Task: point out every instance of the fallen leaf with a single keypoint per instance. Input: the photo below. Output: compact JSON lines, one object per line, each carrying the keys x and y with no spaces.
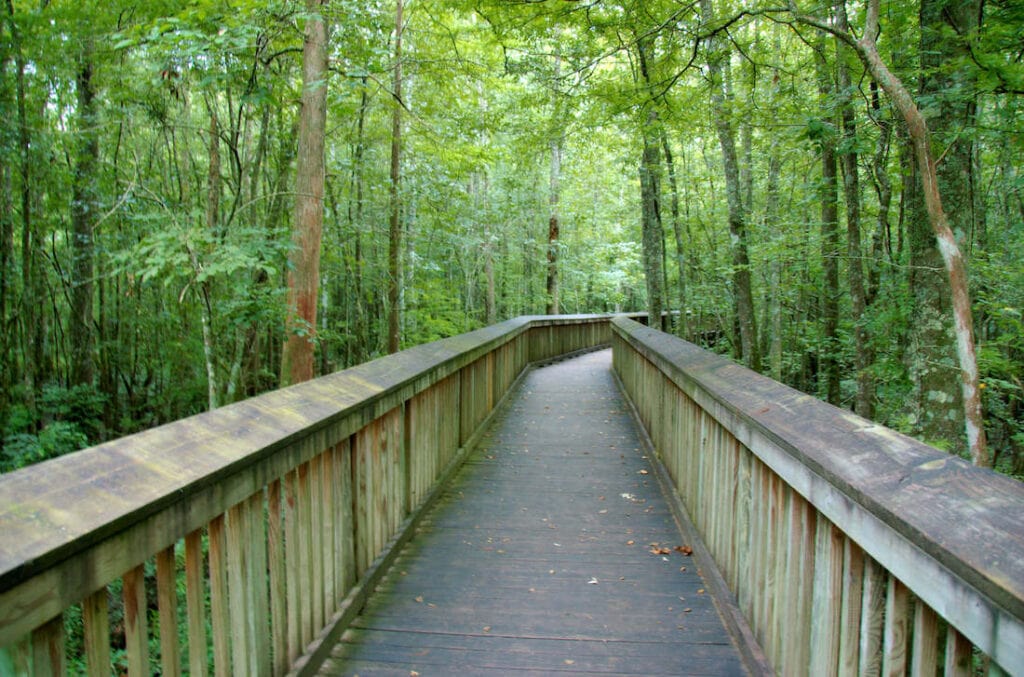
{"x":487,"y":628}
{"x":659,"y":551}
{"x":701,"y":591}
{"x":602,"y":512}
{"x":644,"y":472}
{"x":413,"y":673}
{"x":419,"y":599}
{"x":684,"y":549}
{"x":592,"y":581}
{"x":569,"y":662}
{"x":630,"y":542}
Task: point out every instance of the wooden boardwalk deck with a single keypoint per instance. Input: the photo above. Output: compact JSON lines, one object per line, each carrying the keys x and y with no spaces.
{"x":553,"y":551}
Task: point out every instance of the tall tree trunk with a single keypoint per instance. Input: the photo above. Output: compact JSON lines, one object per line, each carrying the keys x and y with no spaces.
{"x":851,"y":190}
{"x":395,"y":223}
{"x":828,"y":358}
{"x":682,"y":328}
{"x":355,"y":217}
{"x":83,"y":217}
{"x":297,"y":356}
{"x":554,"y":226}
{"x":741,"y":275}
{"x":881,"y":241}
{"x":213,"y":188}
{"x":651,"y":228}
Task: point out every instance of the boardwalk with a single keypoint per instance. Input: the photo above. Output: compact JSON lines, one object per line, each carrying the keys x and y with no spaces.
{"x":553,"y":551}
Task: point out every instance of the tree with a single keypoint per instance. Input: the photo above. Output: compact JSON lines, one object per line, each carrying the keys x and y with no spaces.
{"x":297,"y":361}
{"x":866,"y":48}
{"x":395,"y":215}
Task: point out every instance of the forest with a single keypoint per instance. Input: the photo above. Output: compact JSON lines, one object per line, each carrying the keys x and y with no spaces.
{"x":202,"y":200}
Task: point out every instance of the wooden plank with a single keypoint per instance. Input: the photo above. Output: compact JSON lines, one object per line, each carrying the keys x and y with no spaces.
{"x":48,"y":648}
{"x":278,"y":583}
{"x":894,"y":637}
{"x":316,"y":532}
{"x":220,"y":612}
{"x":135,"y":635}
{"x":304,"y":555}
{"x":328,"y":499}
{"x":958,"y":655}
{"x":827,"y":596}
{"x":96,"y":633}
{"x":167,"y":605}
{"x":345,"y":535}
{"x":872,"y":619}
{"x":195,"y":596}
{"x":257,"y":580}
{"x":925,"y":652}
{"x":292,"y":569}
{"x":241,"y":622}
{"x":850,"y":620}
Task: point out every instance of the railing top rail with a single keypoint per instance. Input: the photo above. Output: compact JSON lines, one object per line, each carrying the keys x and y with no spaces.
{"x":54,"y":509}
{"x":967,"y":519}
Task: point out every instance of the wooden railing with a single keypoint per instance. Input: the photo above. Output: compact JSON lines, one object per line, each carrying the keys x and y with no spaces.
{"x":850,"y":548}
{"x":254,"y":531}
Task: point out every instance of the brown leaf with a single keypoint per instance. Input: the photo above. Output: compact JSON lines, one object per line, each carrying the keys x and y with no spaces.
{"x":660,"y":551}
{"x":684,"y":550}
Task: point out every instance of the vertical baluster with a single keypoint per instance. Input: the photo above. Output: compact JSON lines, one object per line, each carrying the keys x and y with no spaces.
{"x":304,"y":556}
{"x":894,"y":642}
{"x":853,"y":595}
{"x":316,"y":579}
{"x":167,"y":603}
{"x":242,"y":644}
{"x":135,"y":636}
{"x":96,"y":633}
{"x":343,"y":528}
{"x":958,"y":654}
{"x":48,"y":648}
{"x":925,"y":654}
{"x":194,"y":603}
{"x":219,"y":609}
{"x":291,"y":536}
{"x":257,"y":584}
{"x":827,"y":595}
{"x":872,"y":619}
{"x":327,"y":544}
{"x":278,"y":584}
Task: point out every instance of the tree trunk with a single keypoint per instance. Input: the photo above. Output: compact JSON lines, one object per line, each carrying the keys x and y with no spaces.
{"x":682,"y":328}
{"x":213,"y":187}
{"x":554,"y":227}
{"x":743,"y":297}
{"x":652,"y":238}
{"x":828,"y":358}
{"x":863,"y":403}
{"x":952,"y":258}
{"x":83,"y":217}
{"x":297,"y":356}
{"x":395,"y":223}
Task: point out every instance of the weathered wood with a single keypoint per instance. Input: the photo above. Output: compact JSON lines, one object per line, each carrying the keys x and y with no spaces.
{"x":48,"y":648}
{"x":136,"y":637}
{"x":220,"y":619}
{"x":853,"y":596}
{"x":958,"y":655}
{"x":167,"y":604}
{"x":544,"y":537}
{"x":827,"y":594}
{"x":243,"y":644}
{"x":894,"y":635}
{"x":872,"y":619}
{"x":925,"y":652}
{"x":96,"y":633}
{"x":291,"y":535}
{"x":195,"y":595}
{"x":893,"y":496}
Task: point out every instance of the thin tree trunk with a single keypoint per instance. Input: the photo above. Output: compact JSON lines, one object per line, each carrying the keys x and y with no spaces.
{"x":83,"y":207}
{"x":395,"y":222}
{"x":741,"y":275}
{"x":682,"y":328}
{"x":828,"y":358}
{"x":653,"y":240}
{"x":863,"y":403}
{"x":213,"y":188}
{"x":554,"y":227}
{"x":297,"y":356}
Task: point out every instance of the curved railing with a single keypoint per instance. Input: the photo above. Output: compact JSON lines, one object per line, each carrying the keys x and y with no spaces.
{"x":274,"y":515}
{"x":850,"y":548}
